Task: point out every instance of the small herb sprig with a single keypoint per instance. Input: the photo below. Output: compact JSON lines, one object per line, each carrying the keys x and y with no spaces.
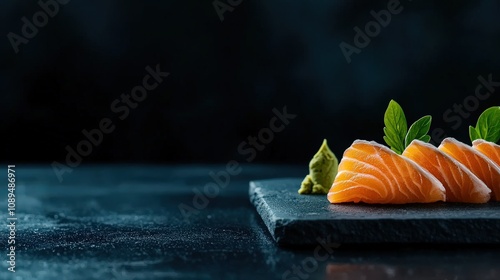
{"x":397,"y":134}
{"x":488,"y":126}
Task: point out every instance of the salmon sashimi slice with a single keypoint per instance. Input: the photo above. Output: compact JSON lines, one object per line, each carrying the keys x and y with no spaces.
{"x":460,"y":183}
{"x":489,"y":149}
{"x":372,"y":173}
{"x":485,"y":169}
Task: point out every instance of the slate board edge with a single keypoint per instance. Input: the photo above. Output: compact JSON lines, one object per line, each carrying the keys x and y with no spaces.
{"x":255,"y":199}
{"x":288,"y":232}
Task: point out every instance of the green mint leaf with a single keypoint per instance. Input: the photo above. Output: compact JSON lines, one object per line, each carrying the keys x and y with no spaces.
{"x":395,"y":127}
{"x":488,"y":125}
{"x":418,"y":130}
{"x":393,"y":141}
{"x":391,"y":136}
{"x":425,"y":138}
{"x":395,"y":147}
{"x":473,"y":134}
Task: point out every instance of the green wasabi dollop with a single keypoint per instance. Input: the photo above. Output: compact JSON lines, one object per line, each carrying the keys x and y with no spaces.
{"x":322,"y":171}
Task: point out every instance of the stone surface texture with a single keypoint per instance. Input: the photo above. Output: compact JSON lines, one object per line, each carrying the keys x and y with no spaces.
{"x":299,"y":220}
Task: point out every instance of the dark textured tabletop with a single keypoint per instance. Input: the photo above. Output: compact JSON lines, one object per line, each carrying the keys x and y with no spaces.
{"x":125,"y":222}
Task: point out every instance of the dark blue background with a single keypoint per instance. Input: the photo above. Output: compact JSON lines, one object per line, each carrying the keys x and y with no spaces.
{"x":227,"y":76}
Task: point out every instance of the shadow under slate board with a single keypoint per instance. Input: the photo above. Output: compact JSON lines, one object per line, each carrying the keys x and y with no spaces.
{"x":299,"y":220}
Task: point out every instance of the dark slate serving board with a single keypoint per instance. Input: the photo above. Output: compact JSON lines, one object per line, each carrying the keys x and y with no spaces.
{"x":299,"y":220}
